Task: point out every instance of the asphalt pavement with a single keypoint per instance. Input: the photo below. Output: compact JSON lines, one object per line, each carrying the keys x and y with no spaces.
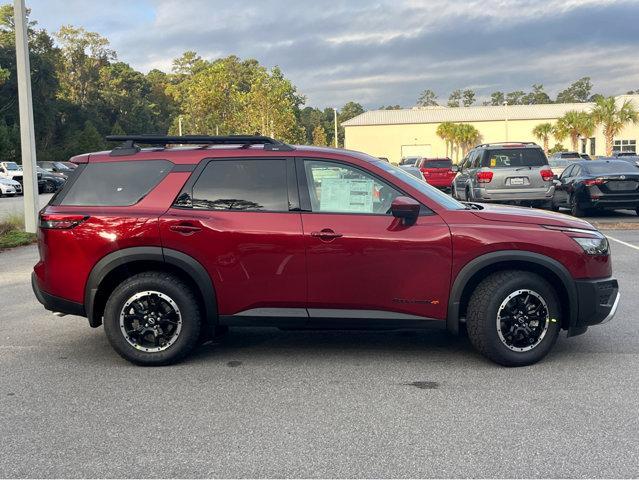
{"x":269,"y":403}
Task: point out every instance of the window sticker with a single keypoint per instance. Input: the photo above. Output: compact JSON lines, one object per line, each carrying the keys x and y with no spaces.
{"x":346,"y":195}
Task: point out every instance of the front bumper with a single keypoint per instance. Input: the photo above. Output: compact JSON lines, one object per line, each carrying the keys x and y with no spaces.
{"x":597,"y":301}
{"x":53,"y":303}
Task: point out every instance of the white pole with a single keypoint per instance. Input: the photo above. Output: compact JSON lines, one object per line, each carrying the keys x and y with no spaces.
{"x":180,"y":125}
{"x":27,"y":132}
{"x":335,"y":117}
{"x":506,"y":120}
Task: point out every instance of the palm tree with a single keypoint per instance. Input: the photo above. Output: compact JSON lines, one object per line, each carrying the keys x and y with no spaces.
{"x":445,"y":131}
{"x":466,"y":137}
{"x":575,"y":124}
{"x":613,"y":118}
{"x":542,"y":132}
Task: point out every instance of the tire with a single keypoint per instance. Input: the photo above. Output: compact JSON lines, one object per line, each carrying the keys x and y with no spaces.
{"x":484,"y":307}
{"x":48,"y":187}
{"x":553,"y":206}
{"x":575,"y":209}
{"x":468,"y":195}
{"x":181,"y":324}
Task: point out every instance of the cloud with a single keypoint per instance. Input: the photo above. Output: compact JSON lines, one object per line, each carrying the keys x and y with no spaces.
{"x":380,"y":52}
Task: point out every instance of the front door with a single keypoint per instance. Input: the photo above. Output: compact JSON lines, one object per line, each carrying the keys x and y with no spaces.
{"x":238,"y":219}
{"x":362,"y":262}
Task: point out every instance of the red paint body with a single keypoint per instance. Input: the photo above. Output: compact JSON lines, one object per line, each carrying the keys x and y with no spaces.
{"x":261,"y":259}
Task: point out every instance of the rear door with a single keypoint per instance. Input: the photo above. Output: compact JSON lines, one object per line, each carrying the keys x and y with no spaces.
{"x":240,"y":219}
{"x":362,"y":262}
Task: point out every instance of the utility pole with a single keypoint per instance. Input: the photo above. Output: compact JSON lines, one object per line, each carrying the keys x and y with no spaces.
{"x":27,"y":132}
{"x":335,"y":118}
{"x":506,"y":120}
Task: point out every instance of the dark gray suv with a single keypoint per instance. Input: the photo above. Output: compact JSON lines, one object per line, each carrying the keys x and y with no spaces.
{"x":505,"y":172}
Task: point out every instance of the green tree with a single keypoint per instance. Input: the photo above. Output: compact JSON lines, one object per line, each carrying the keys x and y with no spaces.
{"x":613,"y":118}
{"x":536,"y":96}
{"x":496,"y":98}
{"x":348,"y":111}
{"x":516,"y":97}
{"x":455,"y":98}
{"x":468,"y":97}
{"x":575,"y":124}
{"x":466,"y":136}
{"x":446,"y":132}
{"x":558,"y":147}
{"x":427,"y":98}
{"x":88,"y":140}
{"x":319,"y":137}
{"x":390,"y":107}
{"x":542,"y":132}
{"x":577,"y":92}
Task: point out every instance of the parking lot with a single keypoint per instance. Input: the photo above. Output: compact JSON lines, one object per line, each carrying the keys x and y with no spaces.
{"x":315,"y":404}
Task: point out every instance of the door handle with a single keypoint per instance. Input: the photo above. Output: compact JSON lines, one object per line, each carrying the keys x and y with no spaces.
{"x":185,"y":228}
{"x":326,"y":234}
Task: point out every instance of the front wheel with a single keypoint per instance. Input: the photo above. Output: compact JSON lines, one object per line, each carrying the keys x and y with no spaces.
{"x":513,"y":318}
{"x":575,"y":208}
{"x":152,"y":318}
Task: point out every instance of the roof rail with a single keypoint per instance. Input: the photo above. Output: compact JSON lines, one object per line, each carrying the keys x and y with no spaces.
{"x":130,"y":143}
{"x":506,"y":143}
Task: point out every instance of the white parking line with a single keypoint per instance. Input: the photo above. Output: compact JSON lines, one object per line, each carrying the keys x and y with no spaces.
{"x":622,"y":242}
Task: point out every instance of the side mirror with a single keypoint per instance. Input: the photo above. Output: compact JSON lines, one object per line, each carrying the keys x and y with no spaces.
{"x":455,"y":168}
{"x":405,"y":208}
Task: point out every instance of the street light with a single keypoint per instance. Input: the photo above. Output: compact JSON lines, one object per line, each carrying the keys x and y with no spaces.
{"x":27,"y":132}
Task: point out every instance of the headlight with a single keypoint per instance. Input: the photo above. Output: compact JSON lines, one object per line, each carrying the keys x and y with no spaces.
{"x":593,"y":246}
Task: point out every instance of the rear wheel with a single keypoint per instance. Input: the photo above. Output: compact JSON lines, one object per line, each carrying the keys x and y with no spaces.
{"x":513,"y":318}
{"x":152,"y":318}
{"x":575,"y":208}
{"x":49,"y":187}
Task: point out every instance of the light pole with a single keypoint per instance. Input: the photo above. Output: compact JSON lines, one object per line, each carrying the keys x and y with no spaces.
{"x":506,"y":119}
{"x":335,"y":121}
{"x":27,"y":132}
{"x":180,"y":125}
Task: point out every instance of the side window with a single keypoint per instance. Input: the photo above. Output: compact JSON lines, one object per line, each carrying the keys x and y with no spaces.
{"x":245,"y":185}
{"x":476,"y":159}
{"x":567,"y":172}
{"x":338,"y":188}
{"x":576,"y":171}
{"x":464,"y":163}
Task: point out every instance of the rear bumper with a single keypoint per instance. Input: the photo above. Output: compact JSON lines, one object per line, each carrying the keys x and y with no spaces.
{"x":597,"y":301}
{"x":56,"y":304}
{"x":514,"y":195}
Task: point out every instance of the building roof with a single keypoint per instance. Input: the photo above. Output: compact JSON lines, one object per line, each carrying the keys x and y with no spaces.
{"x":472,"y":114}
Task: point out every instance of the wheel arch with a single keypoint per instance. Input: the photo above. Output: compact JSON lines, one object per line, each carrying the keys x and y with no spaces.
{"x":117,"y":266}
{"x":479,"y":268}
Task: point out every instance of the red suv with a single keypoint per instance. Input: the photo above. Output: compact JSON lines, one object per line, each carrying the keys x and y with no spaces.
{"x":437,"y":171}
{"x":165,"y":245}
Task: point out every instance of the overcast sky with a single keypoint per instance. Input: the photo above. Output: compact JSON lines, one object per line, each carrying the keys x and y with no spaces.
{"x":378,"y":52}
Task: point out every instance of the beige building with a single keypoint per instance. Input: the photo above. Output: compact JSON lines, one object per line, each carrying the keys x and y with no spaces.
{"x":411,"y":132}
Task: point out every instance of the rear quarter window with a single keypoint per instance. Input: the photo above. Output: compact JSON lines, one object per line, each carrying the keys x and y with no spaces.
{"x":514,"y":157}
{"x":115,"y":184}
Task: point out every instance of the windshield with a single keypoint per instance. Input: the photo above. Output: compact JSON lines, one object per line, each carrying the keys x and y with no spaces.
{"x":514,"y":157}
{"x":410,"y":160}
{"x":12,"y":166}
{"x":440,"y":163}
{"x":601,"y":168}
{"x":559,"y":163}
{"x":61,"y":166}
{"x":440,"y":197}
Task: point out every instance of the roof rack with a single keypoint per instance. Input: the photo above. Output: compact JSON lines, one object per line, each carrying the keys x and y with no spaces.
{"x":130,"y":143}
{"x":506,"y":143}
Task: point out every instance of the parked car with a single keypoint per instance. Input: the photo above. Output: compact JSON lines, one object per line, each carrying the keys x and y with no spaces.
{"x":505,"y":172}
{"x":632,"y":159}
{"x":437,"y":171}
{"x":409,"y":160}
{"x":56,"y":168}
{"x":49,"y":182}
{"x":414,"y":171}
{"x":585,"y":156}
{"x":558,"y":165}
{"x":260,"y":233}
{"x":385,"y":159}
{"x":70,"y":165}
{"x":10,"y":187}
{"x":618,"y":154}
{"x":565,"y":156}
{"x":11,"y":170}
{"x":597,"y":185}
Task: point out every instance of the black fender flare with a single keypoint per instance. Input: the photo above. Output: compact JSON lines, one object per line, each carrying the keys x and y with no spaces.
{"x":483,"y":261}
{"x":184,"y":262}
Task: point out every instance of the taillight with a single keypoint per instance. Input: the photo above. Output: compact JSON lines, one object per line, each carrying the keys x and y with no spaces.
{"x":484,"y":177}
{"x":546,"y":175}
{"x":594,"y":181}
{"x":61,"y":221}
